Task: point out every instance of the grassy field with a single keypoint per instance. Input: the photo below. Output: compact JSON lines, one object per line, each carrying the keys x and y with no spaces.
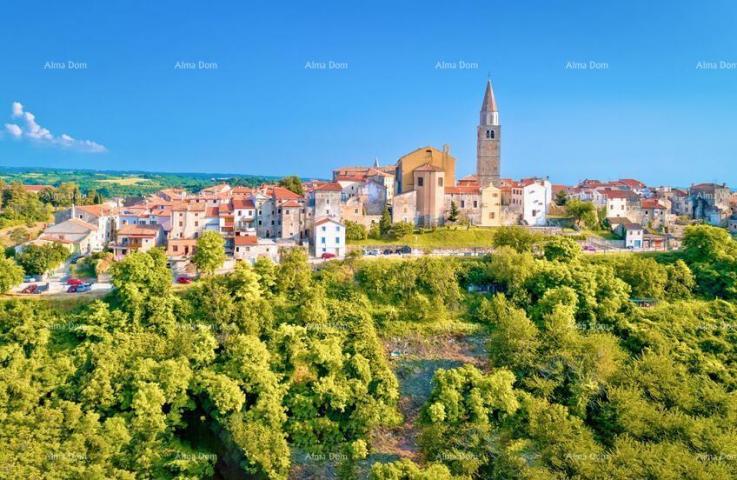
{"x":451,"y":237}
{"x":124,"y":180}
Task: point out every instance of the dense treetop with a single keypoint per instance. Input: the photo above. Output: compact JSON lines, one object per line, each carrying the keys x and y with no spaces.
{"x":241,"y":371}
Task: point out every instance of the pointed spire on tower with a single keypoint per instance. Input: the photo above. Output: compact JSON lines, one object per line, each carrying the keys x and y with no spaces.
{"x":489,"y":114}
{"x":376,"y":162}
{"x":489,"y":104}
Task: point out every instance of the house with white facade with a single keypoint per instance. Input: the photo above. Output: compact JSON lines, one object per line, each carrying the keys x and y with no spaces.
{"x":328,"y":237}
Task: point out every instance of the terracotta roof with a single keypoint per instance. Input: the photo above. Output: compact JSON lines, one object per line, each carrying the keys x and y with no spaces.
{"x":281,"y":193}
{"x":464,"y":189}
{"x":380,"y":173}
{"x":706,"y":187}
{"x":618,"y":194}
{"x":468,"y":180}
{"x":291,"y":204}
{"x":652,"y":203}
{"x":246,"y":240}
{"x":329,"y":187}
{"x":96,"y":210}
{"x":630,"y":182}
{"x":243,"y":203}
{"x":35,"y":188}
{"x":326,"y":220}
{"x":349,"y":178}
{"x":138,"y":230}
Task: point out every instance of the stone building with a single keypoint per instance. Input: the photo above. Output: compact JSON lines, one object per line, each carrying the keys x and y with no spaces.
{"x":488,"y":141}
{"x":404,"y":181}
{"x":429,"y":183}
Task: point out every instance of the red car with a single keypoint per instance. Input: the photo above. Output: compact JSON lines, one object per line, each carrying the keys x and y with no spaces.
{"x":327,"y":256}
{"x":74,"y":282}
{"x":30,"y":288}
{"x":184,"y":280}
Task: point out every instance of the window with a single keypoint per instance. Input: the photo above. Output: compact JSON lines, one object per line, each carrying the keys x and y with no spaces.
{"x":337,"y":240}
{"x":440,"y":181}
{"x":337,"y":228}
{"x":420,"y":181}
{"x":475,"y":204}
{"x":463,"y":204}
{"x":323,"y":228}
{"x":322,"y":239}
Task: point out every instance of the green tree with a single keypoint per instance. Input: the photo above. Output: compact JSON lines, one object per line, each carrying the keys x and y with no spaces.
{"x":355,"y":231}
{"x":582,"y":212}
{"x":561,"y":198}
{"x":562,"y":249}
{"x":385,"y":223}
{"x":39,"y":259}
{"x":453,"y":213}
{"x":400,"y":229}
{"x":210,"y":252}
{"x":519,"y":238}
{"x":11,"y":274}
{"x":293,"y":184}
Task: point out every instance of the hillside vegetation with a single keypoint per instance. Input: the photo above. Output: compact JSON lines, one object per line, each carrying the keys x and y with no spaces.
{"x":278,"y":370}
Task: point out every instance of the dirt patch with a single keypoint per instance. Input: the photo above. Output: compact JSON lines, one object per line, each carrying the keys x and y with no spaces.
{"x":415,"y":359}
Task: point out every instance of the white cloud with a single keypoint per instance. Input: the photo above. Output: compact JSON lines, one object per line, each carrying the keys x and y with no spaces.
{"x":37,"y":133}
{"x":14,"y":130}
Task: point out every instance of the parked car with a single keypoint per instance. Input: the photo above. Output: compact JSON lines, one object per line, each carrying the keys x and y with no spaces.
{"x":72,"y":289}
{"x":327,"y":256}
{"x":31,"y":278}
{"x":405,"y":249}
{"x":184,"y":280}
{"x":30,"y":288}
{"x":589,"y":248}
{"x":85,"y":287}
{"x":74,"y":282}
{"x":42,"y":288}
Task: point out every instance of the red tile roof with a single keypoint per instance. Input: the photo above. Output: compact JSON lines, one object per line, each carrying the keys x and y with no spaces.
{"x":138,"y":230}
{"x":329,"y":187}
{"x":652,"y":203}
{"x":463,"y":190}
{"x":246,"y":240}
{"x":243,"y":203}
{"x":281,"y":193}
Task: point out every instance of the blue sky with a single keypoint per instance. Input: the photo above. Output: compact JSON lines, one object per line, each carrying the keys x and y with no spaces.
{"x":651,"y":113}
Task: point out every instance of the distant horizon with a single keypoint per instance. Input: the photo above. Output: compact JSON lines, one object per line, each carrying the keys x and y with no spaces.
{"x":226,"y":175}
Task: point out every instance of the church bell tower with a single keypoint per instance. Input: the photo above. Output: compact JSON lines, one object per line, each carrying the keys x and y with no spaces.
{"x":488,"y":141}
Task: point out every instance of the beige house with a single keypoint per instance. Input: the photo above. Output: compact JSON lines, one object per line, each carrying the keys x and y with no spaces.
{"x":249,"y":248}
{"x":132,"y":238}
{"x":404,"y":207}
{"x":76,"y":234}
{"x":442,"y":159}
{"x":429,"y":183}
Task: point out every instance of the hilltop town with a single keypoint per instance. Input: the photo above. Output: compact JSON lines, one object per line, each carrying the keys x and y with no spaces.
{"x":419,"y":191}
